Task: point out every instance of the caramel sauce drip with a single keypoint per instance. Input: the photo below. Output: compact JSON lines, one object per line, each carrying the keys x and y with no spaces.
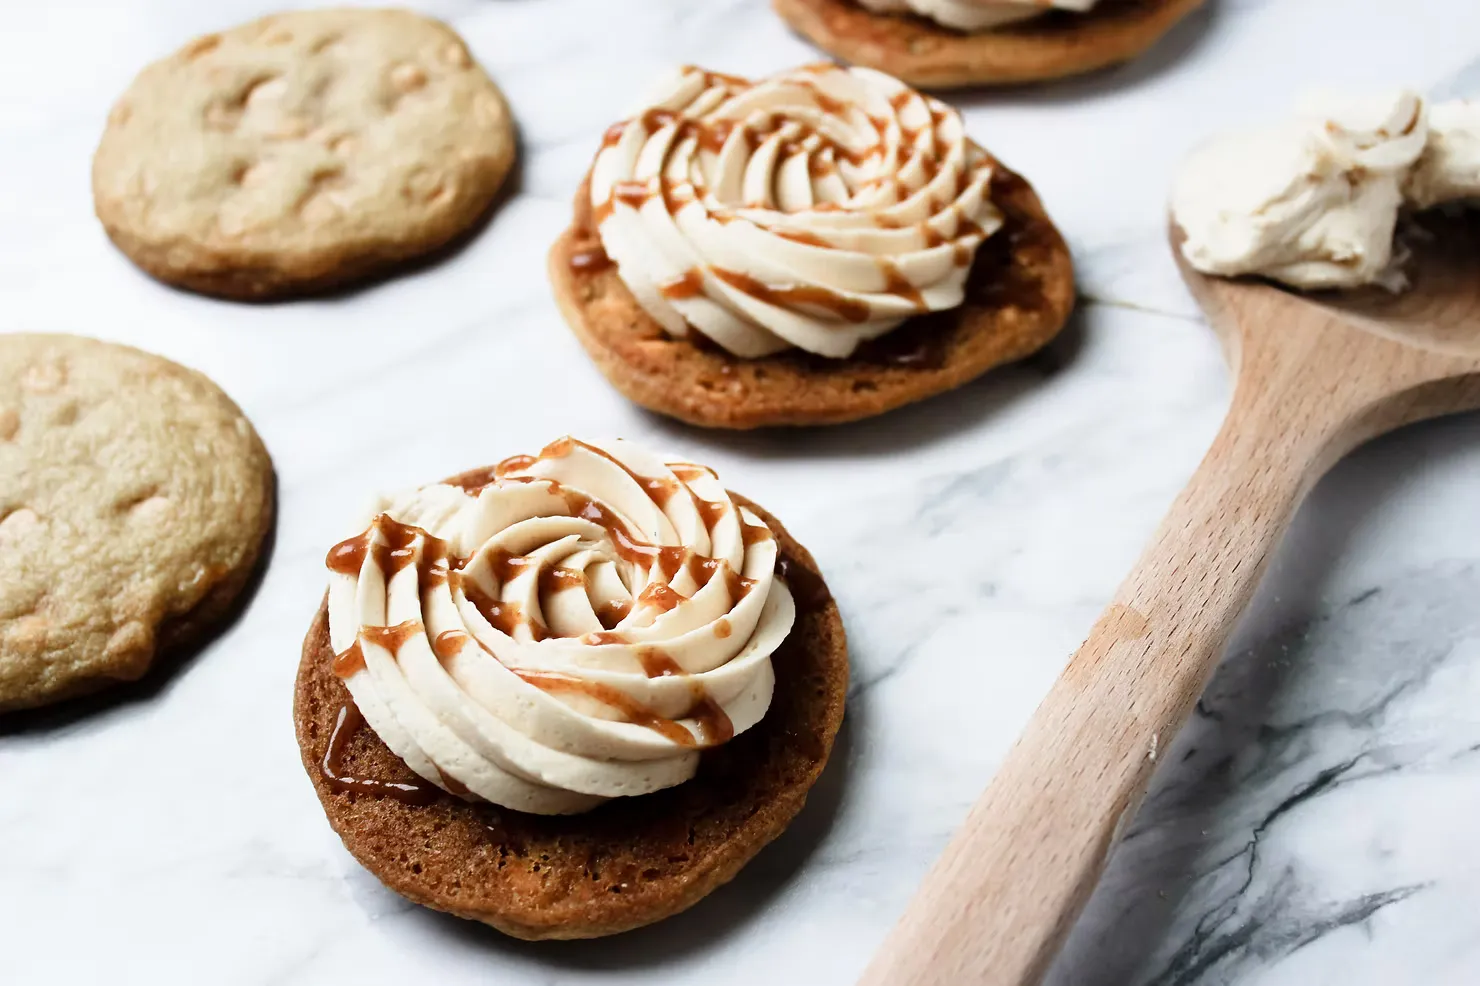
{"x":848,"y":309}
{"x":658,"y":488}
{"x":897,"y":284}
{"x":474,"y":481}
{"x":613,"y":612}
{"x":711,"y":511}
{"x":633,"y":193}
{"x":690,"y":285}
{"x":659,"y":596}
{"x":503,"y":617}
{"x":690,"y":471}
{"x":604,"y":637}
{"x":392,"y":638}
{"x":556,"y":579}
{"x":803,"y":237}
{"x":514,"y":463}
{"x":738,"y":585}
{"x":589,"y":260}
{"x":752,"y":533}
{"x":665,"y":558}
{"x":332,"y":769}
{"x":350,"y":661}
{"x":656,"y":664}
{"x":713,"y":724}
{"x":348,"y":556}
{"x":702,"y":569}
{"x":633,"y":711}
{"x":390,"y":555}
{"x":506,"y":565}
{"x":722,"y":628}
{"x":447,"y":644}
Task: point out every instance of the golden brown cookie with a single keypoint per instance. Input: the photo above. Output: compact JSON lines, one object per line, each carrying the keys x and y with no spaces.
{"x":301,"y":151}
{"x":925,"y":54}
{"x":134,"y":501}
{"x":1019,"y":294}
{"x":627,"y":863}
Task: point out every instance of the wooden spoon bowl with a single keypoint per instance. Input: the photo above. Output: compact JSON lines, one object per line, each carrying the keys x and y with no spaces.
{"x":1316,"y":375}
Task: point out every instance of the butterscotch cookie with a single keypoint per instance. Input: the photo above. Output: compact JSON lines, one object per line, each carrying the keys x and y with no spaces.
{"x":584,"y":722}
{"x":134,"y":501}
{"x":935,"y":55}
{"x":301,"y":151}
{"x":885,"y":258}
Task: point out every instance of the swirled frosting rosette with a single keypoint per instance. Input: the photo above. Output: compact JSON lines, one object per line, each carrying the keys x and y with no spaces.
{"x":571,"y":627}
{"x":976,"y":15}
{"x":814,"y":209}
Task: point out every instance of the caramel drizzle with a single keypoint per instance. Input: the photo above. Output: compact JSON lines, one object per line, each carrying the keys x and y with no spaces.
{"x":392,"y":638}
{"x":331,"y":768}
{"x":845,"y":308}
{"x":350,"y":661}
{"x":448,"y":644}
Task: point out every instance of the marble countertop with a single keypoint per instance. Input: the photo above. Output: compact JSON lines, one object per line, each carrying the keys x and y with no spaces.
{"x":1315,"y":824}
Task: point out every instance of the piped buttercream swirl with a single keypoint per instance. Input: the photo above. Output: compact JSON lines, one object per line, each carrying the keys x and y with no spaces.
{"x":568,"y":628}
{"x":815,"y":209}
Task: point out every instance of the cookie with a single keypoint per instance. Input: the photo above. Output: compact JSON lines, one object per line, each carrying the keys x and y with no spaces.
{"x":300,"y":152}
{"x":134,"y":502}
{"x":925,"y":54}
{"x":1019,"y":294}
{"x":629,"y":861}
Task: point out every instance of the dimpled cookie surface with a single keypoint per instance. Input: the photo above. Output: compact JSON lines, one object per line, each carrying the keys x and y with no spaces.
{"x":300,"y":151}
{"x":134,"y":500}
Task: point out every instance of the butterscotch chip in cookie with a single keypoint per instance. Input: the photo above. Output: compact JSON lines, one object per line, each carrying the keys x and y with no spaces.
{"x":926,"y":54}
{"x":301,"y":151}
{"x":626,"y":863}
{"x":1019,"y":294}
{"x":134,"y":502}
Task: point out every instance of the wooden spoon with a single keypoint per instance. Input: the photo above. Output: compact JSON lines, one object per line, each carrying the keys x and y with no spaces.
{"x":1317,"y":375}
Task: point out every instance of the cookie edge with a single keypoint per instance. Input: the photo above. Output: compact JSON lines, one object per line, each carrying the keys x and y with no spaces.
{"x":1009,"y":56}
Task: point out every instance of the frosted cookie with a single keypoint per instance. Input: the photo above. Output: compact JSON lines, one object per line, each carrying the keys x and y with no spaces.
{"x":816,"y":247}
{"x":944,"y":44}
{"x":571,"y":694}
{"x":301,"y":151}
{"x":134,"y":501}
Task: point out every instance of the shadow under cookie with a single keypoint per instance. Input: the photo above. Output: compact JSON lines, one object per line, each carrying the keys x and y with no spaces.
{"x":627,"y":863}
{"x":1019,"y":294}
{"x":923,"y":53}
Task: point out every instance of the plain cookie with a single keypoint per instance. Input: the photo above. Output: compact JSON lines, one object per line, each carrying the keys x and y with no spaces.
{"x":134,"y":501}
{"x":627,"y":863}
{"x":1019,"y":295}
{"x":925,"y":54}
{"x":301,"y":151}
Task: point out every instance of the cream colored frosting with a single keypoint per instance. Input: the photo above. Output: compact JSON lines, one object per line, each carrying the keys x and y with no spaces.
{"x":817,"y":208}
{"x":483,"y":660}
{"x":1314,"y":202}
{"x":976,"y":15}
{"x":1449,"y":170}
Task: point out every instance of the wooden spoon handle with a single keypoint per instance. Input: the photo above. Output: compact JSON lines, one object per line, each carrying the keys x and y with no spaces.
{"x":997,"y":904}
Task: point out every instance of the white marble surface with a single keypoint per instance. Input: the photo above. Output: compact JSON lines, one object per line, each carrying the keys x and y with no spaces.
{"x":1316,"y":823}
